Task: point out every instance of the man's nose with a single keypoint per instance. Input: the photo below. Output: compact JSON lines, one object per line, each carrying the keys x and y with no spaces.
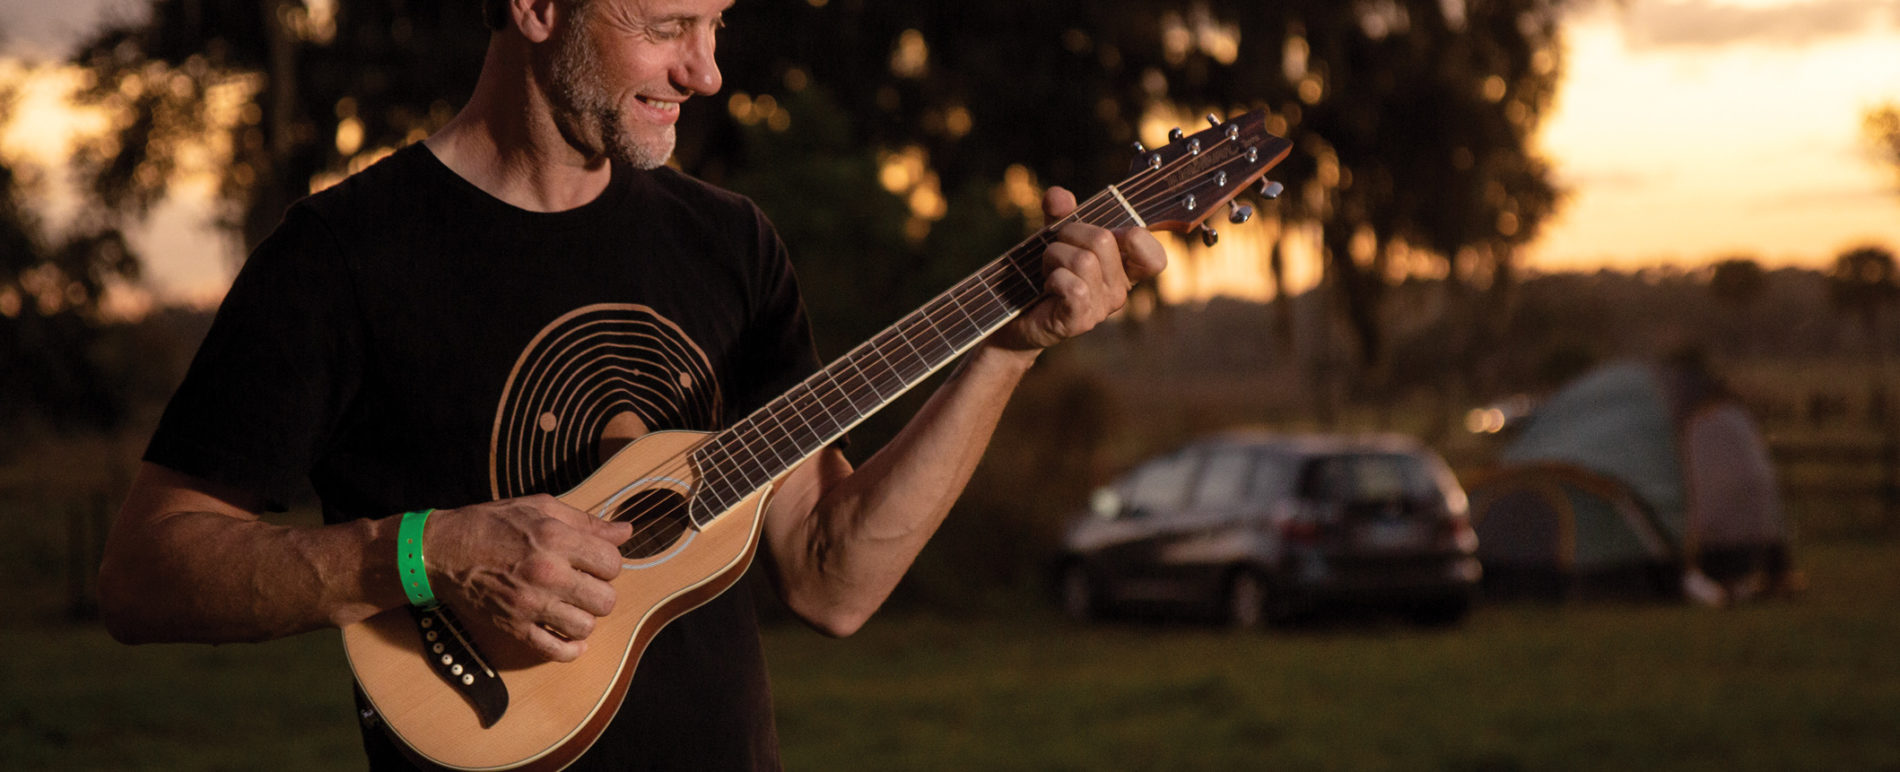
{"x":698,"y":71}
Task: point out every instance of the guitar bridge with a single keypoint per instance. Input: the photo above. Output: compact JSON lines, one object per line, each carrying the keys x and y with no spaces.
{"x":453,"y":657}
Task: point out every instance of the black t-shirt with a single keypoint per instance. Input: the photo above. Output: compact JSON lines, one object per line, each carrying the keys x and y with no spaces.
{"x":405,"y":340}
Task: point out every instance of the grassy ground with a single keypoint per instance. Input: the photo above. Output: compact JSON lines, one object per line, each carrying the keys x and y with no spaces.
{"x":1812,"y":684}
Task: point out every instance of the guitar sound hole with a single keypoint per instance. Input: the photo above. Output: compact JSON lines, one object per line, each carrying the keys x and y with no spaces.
{"x":658,"y":517}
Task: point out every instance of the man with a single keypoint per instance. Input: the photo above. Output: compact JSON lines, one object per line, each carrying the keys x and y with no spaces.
{"x":401,"y":340}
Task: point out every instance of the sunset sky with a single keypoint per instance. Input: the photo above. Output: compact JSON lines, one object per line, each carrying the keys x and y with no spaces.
{"x":1685,"y":130}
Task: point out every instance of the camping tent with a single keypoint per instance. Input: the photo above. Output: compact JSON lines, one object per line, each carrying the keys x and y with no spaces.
{"x":1614,"y":480}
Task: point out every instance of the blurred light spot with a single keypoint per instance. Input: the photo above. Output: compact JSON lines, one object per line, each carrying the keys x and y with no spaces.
{"x":796,"y":79}
{"x":1484,"y":420}
{"x":957,"y":122}
{"x":1019,"y":192}
{"x":1461,"y":159}
{"x":9,"y":302}
{"x":817,"y":3}
{"x":740,"y":105}
{"x":1293,"y":59}
{"x":1175,"y":39}
{"x":1507,"y":224}
{"x":1075,"y":40}
{"x":1493,"y":89}
{"x":1311,"y":89}
{"x":349,"y":136}
{"x":911,"y":57}
{"x":899,"y":172}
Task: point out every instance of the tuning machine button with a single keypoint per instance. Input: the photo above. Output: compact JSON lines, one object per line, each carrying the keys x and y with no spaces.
{"x":1140,"y":149}
{"x":1271,"y":189}
{"x":1175,"y":134}
{"x":1209,"y":236}
{"x":1213,"y":120}
{"x":1240,"y":213}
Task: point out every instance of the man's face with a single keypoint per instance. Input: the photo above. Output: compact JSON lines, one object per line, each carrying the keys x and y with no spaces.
{"x":621,"y":69}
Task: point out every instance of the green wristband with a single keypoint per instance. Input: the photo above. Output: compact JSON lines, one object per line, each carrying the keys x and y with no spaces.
{"x":415,"y":578}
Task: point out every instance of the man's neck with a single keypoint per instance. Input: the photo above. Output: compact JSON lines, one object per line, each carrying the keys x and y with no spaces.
{"x":505,"y":142}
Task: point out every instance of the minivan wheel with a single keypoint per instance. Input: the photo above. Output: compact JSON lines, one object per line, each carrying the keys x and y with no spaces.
{"x":1080,"y":600}
{"x":1246,"y":601}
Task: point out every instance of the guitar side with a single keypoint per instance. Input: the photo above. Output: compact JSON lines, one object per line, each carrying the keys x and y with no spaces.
{"x":557,"y":710}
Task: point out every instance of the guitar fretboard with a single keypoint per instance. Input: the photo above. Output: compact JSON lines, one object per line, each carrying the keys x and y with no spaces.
{"x":753,"y":452}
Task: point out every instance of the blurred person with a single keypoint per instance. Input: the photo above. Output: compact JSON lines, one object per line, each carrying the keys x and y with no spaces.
{"x":1736,"y":540}
{"x":376,"y":342}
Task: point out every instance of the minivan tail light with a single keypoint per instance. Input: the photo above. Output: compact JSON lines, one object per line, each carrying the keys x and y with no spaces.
{"x":1299,"y":530}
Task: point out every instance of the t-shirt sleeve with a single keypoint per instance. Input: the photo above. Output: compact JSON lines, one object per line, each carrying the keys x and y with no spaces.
{"x":777,"y":340}
{"x":275,"y":372}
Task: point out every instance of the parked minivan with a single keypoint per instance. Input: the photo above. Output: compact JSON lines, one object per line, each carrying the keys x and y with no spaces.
{"x":1258,"y":527}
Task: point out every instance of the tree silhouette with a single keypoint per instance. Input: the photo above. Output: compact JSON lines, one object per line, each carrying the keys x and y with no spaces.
{"x":1882,"y":127}
{"x":1411,"y":118}
{"x":1862,"y":284}
{"x":49,"y":315}
{"x":1738,"y":281}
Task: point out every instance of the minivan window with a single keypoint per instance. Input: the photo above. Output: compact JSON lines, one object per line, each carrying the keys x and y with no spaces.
{"x":1272,"y":477}
{"x":1161,"y":486}
{"x":1223,"y":480}
{"x":1367,"y":478}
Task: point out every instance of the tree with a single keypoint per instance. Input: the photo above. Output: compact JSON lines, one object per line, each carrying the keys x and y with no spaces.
{"x":1882,"y":127}
{"x":49,"y":315}
{"x":1862,"y":283}
{"x":1738,"y":281}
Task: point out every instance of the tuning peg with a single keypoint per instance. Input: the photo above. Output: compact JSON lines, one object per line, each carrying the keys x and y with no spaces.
{"x":1175,"y":134}
{"x":1271,"y":189}
{"x":1209,"y":236}
{"x":1213,"y":120}
{"x":1240,"y":214}
{"x":1139,"y":148}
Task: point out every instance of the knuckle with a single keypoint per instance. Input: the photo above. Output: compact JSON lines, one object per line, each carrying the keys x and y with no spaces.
{"x":543,"y":572}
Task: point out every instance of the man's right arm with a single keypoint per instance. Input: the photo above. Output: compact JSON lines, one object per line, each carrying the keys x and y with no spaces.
{"x":189,"y":560}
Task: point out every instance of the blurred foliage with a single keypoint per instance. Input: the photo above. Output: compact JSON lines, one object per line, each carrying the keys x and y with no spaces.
{"x":1882,"y":127}
{"x":1739,"y":281}
{"x":1411,"y":118}
{"x":50,"y":323}
{"x":1863,"y":283}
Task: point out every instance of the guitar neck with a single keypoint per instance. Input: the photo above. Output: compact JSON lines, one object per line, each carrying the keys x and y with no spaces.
{"x":753,"y":452}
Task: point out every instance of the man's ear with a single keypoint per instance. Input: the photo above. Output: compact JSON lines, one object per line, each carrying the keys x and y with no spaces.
{"x":535,"y":19}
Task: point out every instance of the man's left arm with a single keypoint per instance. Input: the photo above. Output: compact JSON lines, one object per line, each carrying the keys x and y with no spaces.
{"x":839,"y":538}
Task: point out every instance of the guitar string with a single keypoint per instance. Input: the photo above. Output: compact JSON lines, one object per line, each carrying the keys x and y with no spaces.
{"x":924,"y":317}
{"x":929,"y":316}
{"x":932,"y":315}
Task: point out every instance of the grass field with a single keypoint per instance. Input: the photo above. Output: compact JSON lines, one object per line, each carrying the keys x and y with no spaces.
{"x":1812,"y":683}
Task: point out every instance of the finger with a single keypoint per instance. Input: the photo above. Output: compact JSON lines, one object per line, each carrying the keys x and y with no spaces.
{"x":1070,"y":315}
{"x":598,"y":557}
{"x":567,"y":621}
{"x":1057,"y":203}
{"x":593,"y":596}
{"x":552,"y":646}
{"x":612,"y":531}
{"x":1143,"y":257}
{"x":1101,"y":263}
{"x":1079,"y":261}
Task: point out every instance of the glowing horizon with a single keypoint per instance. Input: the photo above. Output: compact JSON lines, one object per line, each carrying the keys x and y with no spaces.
{"x":1685,"y":131}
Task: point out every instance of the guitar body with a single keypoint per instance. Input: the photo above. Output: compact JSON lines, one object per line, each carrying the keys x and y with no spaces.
{"x":556,"y":710}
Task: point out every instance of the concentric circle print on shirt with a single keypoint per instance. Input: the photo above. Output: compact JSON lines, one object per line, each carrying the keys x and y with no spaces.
{"x":607,"y":371}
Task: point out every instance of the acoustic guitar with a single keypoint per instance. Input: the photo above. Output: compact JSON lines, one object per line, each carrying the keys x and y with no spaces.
{"x":466,"y":696}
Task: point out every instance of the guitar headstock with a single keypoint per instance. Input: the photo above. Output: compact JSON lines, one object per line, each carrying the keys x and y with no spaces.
{"x":1178,"y":186}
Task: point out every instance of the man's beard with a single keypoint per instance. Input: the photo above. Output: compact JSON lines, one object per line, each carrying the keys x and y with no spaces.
{"x":593,"y":120}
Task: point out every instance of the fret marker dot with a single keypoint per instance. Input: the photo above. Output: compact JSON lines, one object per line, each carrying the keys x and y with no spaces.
{"x":686,"y":381}
{"x":549,"y":421}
